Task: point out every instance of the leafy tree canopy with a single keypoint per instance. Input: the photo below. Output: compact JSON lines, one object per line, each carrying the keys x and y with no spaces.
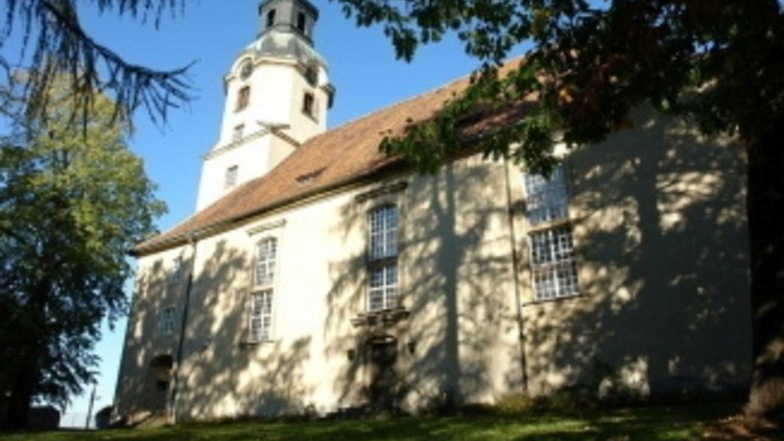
{"x":72,"y":202}
{"x":588,"y":63}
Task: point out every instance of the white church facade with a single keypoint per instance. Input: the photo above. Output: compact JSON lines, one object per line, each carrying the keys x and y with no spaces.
{"x":318,"y":275}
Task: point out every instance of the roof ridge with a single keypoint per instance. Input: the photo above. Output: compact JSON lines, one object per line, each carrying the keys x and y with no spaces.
{"x":393,"y":105}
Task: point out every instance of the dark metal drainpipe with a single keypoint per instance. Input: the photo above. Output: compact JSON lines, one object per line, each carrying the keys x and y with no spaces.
{"x":516,"y":278}
{"x":188,"y":286}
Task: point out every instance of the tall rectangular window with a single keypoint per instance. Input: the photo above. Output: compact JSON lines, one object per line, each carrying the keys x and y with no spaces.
{"x":261,"y":316}
{"x":167,"y":320}
{"x":243,"y":98}
{"x":382,"y":258}
{"x":309,"y":104}
{"x":175,"y":270}
{"x":383,"y":232}
{"x":230,"y":180}
{"x":237,"y":133}
{"x":264,"y":271}
{"x":553,"y":266}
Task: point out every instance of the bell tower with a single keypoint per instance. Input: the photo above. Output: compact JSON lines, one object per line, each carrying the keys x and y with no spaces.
{"x":277,"y":97}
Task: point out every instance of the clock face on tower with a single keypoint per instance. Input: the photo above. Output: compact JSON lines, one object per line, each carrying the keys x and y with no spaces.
{"x":245,"y":70}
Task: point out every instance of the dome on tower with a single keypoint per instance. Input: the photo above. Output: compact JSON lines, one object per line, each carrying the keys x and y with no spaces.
{"x":285,"y":45}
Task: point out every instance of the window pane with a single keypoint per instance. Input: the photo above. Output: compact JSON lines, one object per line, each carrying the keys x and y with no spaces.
{"x":382,"y":288}
{"x":266,"y":252}
{"x":261,"y":316}
{"x":554,"y":268}
{"x":243,"y":98}
{"x":546,"y":199}
{"x":231,"y":177}
{"x":167,"y":320}
{"x":383,"y":232}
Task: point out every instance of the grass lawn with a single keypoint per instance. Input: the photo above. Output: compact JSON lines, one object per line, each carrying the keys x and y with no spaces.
{"x":685,"y":422}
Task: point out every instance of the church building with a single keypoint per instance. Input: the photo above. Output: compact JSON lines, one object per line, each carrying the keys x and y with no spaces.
{"x":320,"y":276}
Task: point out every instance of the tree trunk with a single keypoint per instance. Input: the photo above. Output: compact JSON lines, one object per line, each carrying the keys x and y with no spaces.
{"x":27,"y":358}
{"x":20,"y":401}
{"x":765,"y":203}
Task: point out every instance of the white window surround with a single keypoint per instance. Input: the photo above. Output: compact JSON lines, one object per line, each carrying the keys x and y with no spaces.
{"x":267,"y":226}
{"x":551,"y":245}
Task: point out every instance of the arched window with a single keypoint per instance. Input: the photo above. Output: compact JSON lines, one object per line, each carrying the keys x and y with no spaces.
{"x":301,"y":20}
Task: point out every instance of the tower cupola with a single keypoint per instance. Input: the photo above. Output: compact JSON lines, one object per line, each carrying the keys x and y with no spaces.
{"x":277,"y":97}
{"x":288,"y":16}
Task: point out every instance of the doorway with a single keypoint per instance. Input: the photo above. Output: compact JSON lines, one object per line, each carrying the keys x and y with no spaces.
{"x":158,"y":382}
{"x":382,"y":362}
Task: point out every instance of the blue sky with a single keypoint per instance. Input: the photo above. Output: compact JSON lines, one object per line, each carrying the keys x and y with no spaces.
{"x":211,"y":33}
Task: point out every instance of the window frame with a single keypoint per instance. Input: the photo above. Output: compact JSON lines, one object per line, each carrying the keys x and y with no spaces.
{"x":166,"y":323}
{"x":553,"y":263}
{"x":174,"y":273}
{"x":270,"y":19}
{"x":237,"y":133}
{"x":382,"y":255}
{"x":310,"y":105}
{"x":269,"y":263}
{"x":302,"y":23}
{"x":550,"y":237}
{"x":231,"y":176}
{"x":262,"y":314}
{"x":265,"y":255}
{"x":243,"y":98}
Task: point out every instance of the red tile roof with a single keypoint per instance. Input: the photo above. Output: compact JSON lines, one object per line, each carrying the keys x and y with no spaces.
{"x":338,"y":157}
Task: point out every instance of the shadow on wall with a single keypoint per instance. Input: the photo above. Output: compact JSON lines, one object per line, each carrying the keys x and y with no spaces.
{"x":139,"y":393}
{"x":660,"y":234}
{"x":455,"y":281}
{"x":659,"y":222}
{"x":222,"y":375}
{"x":661,"y":240}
